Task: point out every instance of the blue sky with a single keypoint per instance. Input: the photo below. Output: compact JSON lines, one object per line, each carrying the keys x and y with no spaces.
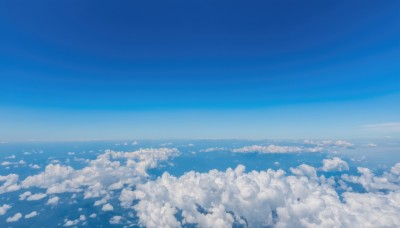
{"x":199,"y":69}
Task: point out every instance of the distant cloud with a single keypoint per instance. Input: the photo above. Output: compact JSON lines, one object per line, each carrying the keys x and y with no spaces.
{"x":271,"y":149}
{"x":370,"y":145}
{"x":388,"y":181}
{"x":392,"y":126}
{"x":14,"y":218}
{"x":337,"y":143}
{"x":31,"y":215}
{"x":4,"y":209}
{"x":71,"y":222}
{"x":53,"y":200}
{"x":116,"y":220}
{"x":107,"y":207}
{"x":212,"y":149}
{"x":334,"y":164}
{"x":304,"y":170}
{"x":37,"y":196}
{"x":10,"y":183}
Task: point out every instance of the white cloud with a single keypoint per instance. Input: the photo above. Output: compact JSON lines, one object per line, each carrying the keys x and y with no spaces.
{"x":71,"y":222}
{"x":275,"y":149}
{"x":31,"y":215}
{"x":10,"y":183}
{"x":254,"y":199}
{"x":107,"y":207}
{"x":304,"y":170}
{"x":388,"y":181}
{"x":116,"y":220}
{"x":93,"y":215}
{"x":371,"y":145}
{"x":212,"y":149}
{"x":11,"y":157}
{"x":53,"y":200}
{"x":109,"y":171}
{"x":396,"y":169}
{"x":24,"y":195}
{"x":34,"y":166}
{"x":324,"y":143}
{"x":21,"y":162}
{"x":14,"y":218}
{"x":5,"y":163}
{"x":221,"y":198}
{"x":384,"y":126}
{"x":4,"y":209}
{"x":334,"y":164}
{"x":37,"y":196}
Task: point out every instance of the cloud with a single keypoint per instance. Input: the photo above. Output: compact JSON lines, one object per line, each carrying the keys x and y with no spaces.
{"x":116,"y":220}
{"x":71,"y":222}
{"x":31,"y":215}
{"x":37,"y":196}
{"x":325,"y":143}
{"x":53,"y":200}
{"x":275,"y":149}
{"x":10,"y":183}
{"x":304,"y":170}
{"x":34,"y":166}
{"x":227,"y":198}
{"x":384,"y":126}
{"x":258,"y":198}
{"x":24,"y":195}
{"x":4,"y":209}
{"x":388,"y":181}
{"x":334,"y":164}
{"x":107,"y":207}
{"x":212,"y":149}
{"x":109,"y":171}
{"x":5,"y":163}
{"x":14,"y":218}
{"x":370,"y":145}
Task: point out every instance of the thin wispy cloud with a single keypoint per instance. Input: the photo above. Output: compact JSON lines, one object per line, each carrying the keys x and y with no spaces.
{"x":384,"y":126}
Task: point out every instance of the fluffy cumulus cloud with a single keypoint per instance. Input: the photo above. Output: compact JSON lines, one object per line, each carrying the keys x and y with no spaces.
{"x":31,"y":215}
{"x":258,"y":199}
{"x":109,"y":171}
{"x":9,"y":183}
{"x":107,"y":207}
{"x":4,"y":209}
{"x":14,"y":218}
{"x":388,"y":181}
{"x":116,"y":220}
{"x":53,"y":200}
{"x":37,"y":196}
{"x":234,"y":197}
{"x":334,"y":164}
{"x":304,"y":170}
{"x":270,"y":149}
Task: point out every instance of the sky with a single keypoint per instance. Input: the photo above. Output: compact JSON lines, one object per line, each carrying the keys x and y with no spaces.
{"x":199,"y":69}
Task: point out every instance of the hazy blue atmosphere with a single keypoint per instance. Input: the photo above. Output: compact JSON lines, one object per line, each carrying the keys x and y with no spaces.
{"x":229,"y":69}
{"x":272,"y":113}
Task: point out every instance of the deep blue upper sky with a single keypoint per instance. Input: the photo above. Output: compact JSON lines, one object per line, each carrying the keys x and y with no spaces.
{"x":187,"y":55}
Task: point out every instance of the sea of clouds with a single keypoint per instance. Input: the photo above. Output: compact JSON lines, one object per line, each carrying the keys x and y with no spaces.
{"x":300,"y":197}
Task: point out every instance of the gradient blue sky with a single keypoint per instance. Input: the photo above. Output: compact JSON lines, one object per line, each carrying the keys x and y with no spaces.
{"x":199,"y":69}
